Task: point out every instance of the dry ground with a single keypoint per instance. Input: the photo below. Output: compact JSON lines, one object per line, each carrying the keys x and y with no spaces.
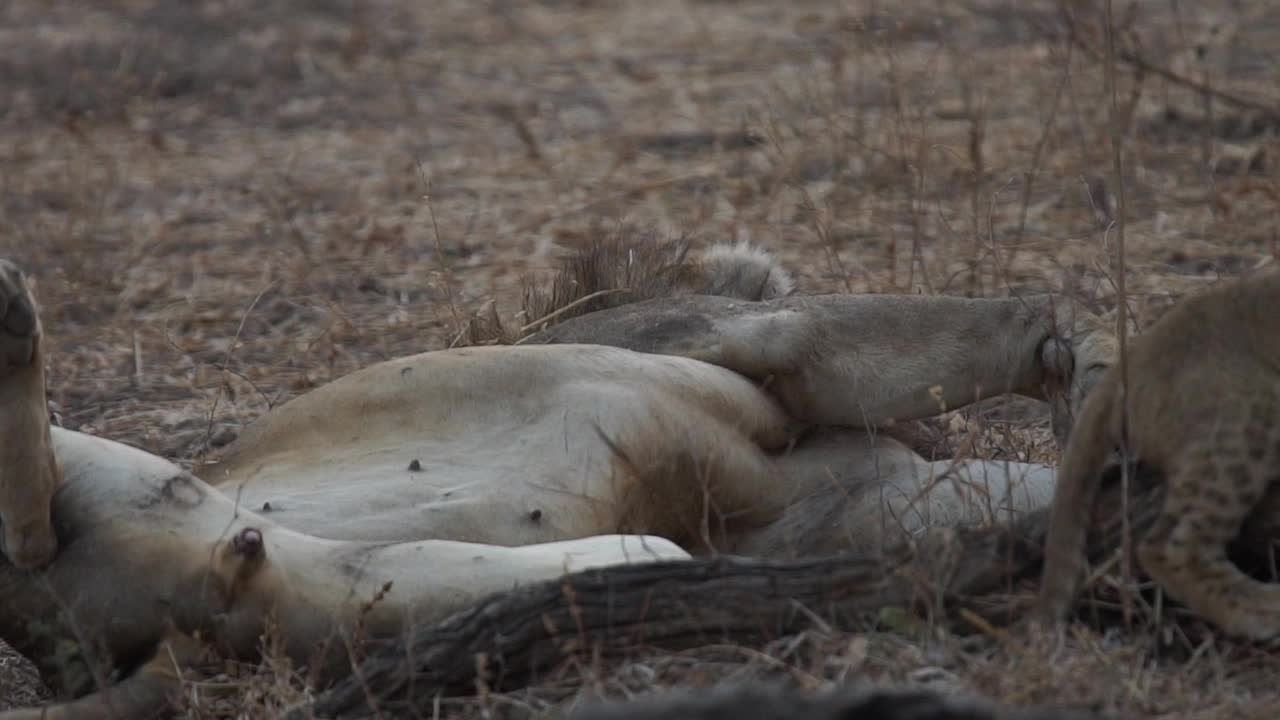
{"x":226,"y":203}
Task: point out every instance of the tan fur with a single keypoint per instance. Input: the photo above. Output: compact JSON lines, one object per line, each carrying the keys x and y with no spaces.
{"x":457,"y":473}
{"x":29,"y":473}
{"x":681,"y":426}
{"x":144,"y":542}
{"x":1202,"y":406}
{"x":644,"y":281}
{"x":862,"y":360}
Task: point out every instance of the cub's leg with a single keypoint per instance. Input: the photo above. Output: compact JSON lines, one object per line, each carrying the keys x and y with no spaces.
{"x":29,"y":474}
{"x":1208,"y":498}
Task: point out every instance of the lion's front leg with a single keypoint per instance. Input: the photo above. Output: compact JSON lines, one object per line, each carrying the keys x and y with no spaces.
{"x":29,"y":473}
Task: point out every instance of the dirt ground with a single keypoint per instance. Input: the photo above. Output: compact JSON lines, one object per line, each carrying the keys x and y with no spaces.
{"x":226,"y":203}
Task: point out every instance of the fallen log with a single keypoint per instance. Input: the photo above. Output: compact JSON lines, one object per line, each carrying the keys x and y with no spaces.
{"x":844,"y":703}
{"x":508,"y":639}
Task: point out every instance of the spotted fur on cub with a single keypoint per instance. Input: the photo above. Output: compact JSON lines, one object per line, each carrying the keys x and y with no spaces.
{"x":1202,"y":406}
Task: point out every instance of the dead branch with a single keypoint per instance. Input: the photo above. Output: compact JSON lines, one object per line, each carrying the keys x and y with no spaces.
{"x":750,"y":702}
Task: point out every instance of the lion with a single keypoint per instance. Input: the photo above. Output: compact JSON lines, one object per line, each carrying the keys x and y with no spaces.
{"x":1200,"y":405}
{"x":683,"y":424}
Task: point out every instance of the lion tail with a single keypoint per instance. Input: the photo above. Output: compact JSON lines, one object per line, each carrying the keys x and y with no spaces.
{"x":741,"y":270}
{"x":1076,"y":490}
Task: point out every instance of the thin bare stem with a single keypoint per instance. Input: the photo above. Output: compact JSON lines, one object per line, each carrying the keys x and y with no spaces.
{"x":1117,"y":162}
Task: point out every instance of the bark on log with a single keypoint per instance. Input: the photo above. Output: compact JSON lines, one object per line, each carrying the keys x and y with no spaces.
{"x":518,"y":634}
{"x":751,"y":703}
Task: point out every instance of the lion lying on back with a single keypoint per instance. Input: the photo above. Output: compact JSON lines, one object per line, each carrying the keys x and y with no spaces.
{"x":622,"y":429}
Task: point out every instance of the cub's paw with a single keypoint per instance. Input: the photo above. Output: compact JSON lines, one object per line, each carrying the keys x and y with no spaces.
{"x":19,"y":320}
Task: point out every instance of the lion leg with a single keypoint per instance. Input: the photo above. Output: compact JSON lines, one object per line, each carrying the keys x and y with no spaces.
{"x":867,"y":360}
{"x":875,"y":360}
{"x":887,"y":488}
{"x":29,"y":473}
{"x":985,"y":491}
{"x":851,"y":491}
{"x":150,"y":692}
{"x":712,"y":481}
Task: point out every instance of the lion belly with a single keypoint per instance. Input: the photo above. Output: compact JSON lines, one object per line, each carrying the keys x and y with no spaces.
{"x":528,"y":487}
{"x":506,"y":446}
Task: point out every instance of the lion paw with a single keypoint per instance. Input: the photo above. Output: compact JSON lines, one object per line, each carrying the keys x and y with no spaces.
{"x":19,"y":320}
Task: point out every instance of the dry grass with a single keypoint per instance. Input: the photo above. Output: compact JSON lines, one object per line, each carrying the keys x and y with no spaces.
{"x":227,"y":203}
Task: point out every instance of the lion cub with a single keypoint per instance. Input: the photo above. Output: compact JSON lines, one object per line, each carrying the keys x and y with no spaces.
{"x":1203,"y":409}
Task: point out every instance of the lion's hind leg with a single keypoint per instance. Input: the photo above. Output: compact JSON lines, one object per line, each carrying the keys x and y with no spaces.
{"x":150,"y":692}
{"x":29,"y":473}
{"x":19,"y":320}
{"x":708,"y":480}
{"x":1207,"y":501}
